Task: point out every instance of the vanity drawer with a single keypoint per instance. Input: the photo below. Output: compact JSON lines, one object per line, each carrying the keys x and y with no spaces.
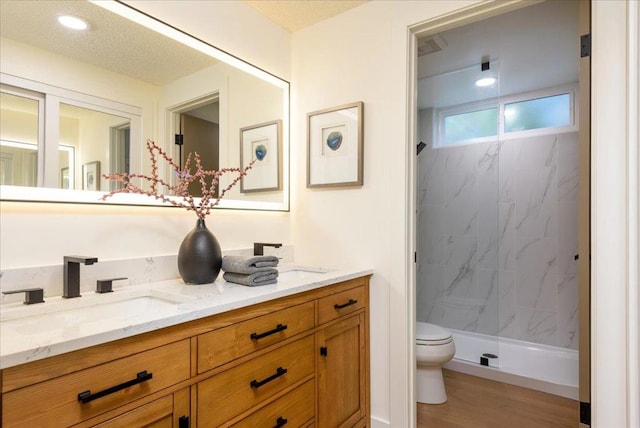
{"x":233,"y":391}
{"x":340,"y":304}
{"x":121,"y":381}
{"x":294,"y":409}
{"x":226,"y":344}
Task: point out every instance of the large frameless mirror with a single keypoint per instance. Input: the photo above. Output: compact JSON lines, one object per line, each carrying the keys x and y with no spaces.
{"x":76,"y":105}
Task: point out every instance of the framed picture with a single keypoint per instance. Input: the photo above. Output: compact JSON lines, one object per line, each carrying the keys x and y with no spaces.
{"x":64,"y":178}
{"x":91,"y":176}
{"x":262,"y":143}
{"x":335,"y":146}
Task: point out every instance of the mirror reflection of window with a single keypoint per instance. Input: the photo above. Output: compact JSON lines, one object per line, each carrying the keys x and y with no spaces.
{"x":19,"y":126}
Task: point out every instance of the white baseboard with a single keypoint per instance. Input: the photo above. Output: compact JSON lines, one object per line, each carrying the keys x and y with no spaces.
{"x":378,"y":423}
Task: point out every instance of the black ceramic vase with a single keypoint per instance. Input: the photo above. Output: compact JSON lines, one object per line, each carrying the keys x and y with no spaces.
{"x":199,"y":256}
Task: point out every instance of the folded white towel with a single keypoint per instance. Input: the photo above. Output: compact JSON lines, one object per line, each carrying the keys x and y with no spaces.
{"x":248,"y":264}
{"x":263,"y":277}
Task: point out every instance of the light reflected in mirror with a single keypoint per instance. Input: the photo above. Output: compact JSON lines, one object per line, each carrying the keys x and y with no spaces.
{"x":109,"y":89}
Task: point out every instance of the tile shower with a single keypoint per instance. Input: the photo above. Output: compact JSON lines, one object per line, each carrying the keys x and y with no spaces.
{"x":497,"y":236}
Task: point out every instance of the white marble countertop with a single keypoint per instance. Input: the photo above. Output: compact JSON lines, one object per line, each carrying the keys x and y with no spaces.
{"x":57,"y":326}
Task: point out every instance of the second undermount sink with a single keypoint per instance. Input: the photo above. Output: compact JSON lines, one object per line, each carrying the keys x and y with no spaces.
{"x":121,"y":306}
{"x":300,"y":273}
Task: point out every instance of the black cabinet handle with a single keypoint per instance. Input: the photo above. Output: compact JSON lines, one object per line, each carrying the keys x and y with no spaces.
{"x":258,"y":383}
{"x":280,"y":422}
{"x":87,"y":396}
{"x":278,"y":329}
{"x":183,"y":422}
{"x":349,"y":303}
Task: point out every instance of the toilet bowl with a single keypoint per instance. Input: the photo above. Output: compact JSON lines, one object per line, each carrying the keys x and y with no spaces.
{"x":434,"y":347}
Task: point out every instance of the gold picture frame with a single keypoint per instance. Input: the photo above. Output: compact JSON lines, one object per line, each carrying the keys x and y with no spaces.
{"x":335,"y":146}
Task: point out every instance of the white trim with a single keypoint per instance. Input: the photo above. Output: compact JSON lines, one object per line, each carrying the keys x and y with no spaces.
{"x":83,"y":100}
{"x":633,"y":135}
{"x":411,"y":219}
{"x":614,"y":207}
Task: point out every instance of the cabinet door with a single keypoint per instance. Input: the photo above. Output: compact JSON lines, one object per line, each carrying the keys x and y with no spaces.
{"x":171,"y":411}
{"x":342,"y":373}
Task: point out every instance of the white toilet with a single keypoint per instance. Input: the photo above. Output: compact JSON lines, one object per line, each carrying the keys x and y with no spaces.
{"x":434,"y":347}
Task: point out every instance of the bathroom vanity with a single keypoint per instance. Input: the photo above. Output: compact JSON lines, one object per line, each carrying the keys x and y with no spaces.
{"x":292,"y":354}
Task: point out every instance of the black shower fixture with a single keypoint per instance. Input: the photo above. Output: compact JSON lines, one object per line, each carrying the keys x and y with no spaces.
{"x":421,"y":146}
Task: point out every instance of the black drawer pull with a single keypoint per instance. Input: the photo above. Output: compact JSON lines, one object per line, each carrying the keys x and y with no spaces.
{"x":349,"y":303}
{"x":183,"y":422}
{"x":280,"y":422}
{"x":278,"y":329}
{"x":258,"y":383}
{"x":87,"y":396}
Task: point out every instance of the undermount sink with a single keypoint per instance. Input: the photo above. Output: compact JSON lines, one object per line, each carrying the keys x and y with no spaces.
{"x":300,"y":273}
{"x":129,"y":306}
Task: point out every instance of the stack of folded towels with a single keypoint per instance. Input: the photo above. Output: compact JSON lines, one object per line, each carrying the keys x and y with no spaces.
{"x":250,"y":270}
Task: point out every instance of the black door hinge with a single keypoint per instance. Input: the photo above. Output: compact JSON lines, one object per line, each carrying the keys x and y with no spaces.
{"x":323,"y":351}
{"x":585,"y":45}
{"x":415,"y":257}
{"x":585,"y":413}
{"x":179,"y":139}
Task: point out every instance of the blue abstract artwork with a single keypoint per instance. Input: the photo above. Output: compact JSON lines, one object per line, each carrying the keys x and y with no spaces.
{"x":261,"y":152}
{"x":334,"y":140}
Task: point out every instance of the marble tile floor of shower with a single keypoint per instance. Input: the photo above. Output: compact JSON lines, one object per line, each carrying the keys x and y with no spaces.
{"x":475,"y":402}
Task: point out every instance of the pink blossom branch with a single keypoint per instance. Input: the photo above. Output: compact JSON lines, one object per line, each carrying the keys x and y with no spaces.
{"x":208,"y":179}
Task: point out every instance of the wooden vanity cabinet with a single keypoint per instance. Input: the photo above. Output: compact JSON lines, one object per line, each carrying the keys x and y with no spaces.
{"x":170,"y":411}
{"x":296,"y":361}
{"x":343,"y":362}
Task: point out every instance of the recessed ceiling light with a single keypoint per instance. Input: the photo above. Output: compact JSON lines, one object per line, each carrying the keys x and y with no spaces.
{"x":486,"y":81}
{"x":73,"y":22}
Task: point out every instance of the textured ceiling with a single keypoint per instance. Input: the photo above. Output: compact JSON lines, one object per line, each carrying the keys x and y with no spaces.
{"x":112,"y":42}
{"x":293,"y":15}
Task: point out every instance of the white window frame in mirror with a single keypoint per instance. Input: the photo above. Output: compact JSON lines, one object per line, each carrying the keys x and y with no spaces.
{"x":50,"y":97}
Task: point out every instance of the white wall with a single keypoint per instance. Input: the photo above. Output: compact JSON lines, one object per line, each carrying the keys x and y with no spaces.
{"x":361,"y":55}
{"x":34,"y":234}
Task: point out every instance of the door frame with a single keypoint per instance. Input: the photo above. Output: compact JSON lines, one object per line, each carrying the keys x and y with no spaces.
{"x":434,"y":26}
{"x":615,"y":205}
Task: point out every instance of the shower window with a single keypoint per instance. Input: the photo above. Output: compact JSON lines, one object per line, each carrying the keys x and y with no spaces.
{"x":538,"y":113}
{"x":471,"y":126}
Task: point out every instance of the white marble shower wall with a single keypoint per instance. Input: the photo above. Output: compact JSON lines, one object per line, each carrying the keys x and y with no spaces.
{"x":497,"y":236}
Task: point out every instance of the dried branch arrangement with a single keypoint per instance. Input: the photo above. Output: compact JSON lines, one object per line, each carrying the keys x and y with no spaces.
{"x":208,"y":179}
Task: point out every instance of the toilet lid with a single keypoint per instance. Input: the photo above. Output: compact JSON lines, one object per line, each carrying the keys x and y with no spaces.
{"x":426,"y":332}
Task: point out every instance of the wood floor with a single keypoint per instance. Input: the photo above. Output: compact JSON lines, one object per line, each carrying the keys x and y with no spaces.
{"x":474,"y":402}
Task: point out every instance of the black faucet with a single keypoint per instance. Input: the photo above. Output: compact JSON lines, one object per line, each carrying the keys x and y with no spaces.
{"x":71,"y":277}
{"x":258,"y":247}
